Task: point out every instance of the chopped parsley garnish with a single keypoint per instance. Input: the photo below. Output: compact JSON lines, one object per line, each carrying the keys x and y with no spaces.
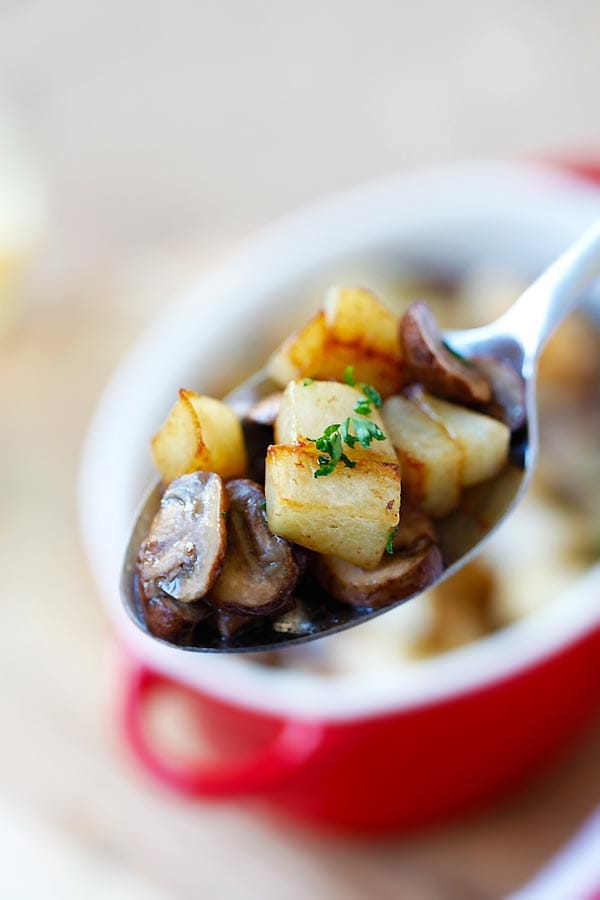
{"x":330,"y":450}
{"x":308,"y":381}
{"x":389,"y":547}
{"x":349,"y":376}
{"x":330,"y":444}
{"x":224,"y":514}
{"x":364,"y":432}
{"x":352,"y":431}
{"x":372,"y":398}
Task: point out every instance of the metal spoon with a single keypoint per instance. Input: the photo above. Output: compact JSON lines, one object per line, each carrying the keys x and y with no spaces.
{"x":517,"y":337}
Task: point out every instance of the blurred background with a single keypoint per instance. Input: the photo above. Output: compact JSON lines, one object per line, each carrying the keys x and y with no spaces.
{"x":138,"y":142}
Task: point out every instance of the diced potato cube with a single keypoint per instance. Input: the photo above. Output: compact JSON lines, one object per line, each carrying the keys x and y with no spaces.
{"x":349,"y":513}
{"x":301,"y":354}
{"x":431,"y":461}
{"x":442,"y":448}
{"x":356,"y":316}
{"x":307,"y":409}
{"x":484,"y":440}
{"x":200,"y":433}
{"x":354,"y":328}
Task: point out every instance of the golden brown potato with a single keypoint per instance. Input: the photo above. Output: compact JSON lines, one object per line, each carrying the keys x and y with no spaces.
{"x":356,"y":316}
{"x":301,"y":354}
{"x":355,"y":329}
{"x":484,"y":441}
{"x":349,"y":513}
{"x":200,"y":433}
{"x":442,"y":448}
{"x":307,"y":409}
{"x":430,"y":459}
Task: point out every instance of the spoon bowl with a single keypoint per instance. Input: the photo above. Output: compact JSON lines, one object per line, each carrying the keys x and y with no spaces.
{"x":515,"y":339}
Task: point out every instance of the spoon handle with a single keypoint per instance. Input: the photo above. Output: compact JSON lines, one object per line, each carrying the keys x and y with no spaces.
{"x":543,"y":306}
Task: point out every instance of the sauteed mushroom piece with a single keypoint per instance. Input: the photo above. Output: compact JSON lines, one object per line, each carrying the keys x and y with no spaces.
{"x":184,"y":550}
{"x":265,"y":411}
{"x":415,"y":529}
{"x":171,"y":620}
{"x":416,"y":562}
{"x":260,"y":571}
{"x":508,"y":391}
{"x":229,"y":624}
{"x":429,"y":362}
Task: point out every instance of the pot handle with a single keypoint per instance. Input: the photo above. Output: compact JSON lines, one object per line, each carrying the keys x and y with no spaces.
{"x":286,"y":753}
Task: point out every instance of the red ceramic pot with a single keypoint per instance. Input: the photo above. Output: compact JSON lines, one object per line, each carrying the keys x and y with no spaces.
{"x":395,"y":748}
{"x":391,"y":771}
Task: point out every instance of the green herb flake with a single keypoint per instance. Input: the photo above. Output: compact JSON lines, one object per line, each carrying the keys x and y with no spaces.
{"x":373,"y":395}
{"x":224,"y":514}
{"x":330,"y":444}
{"x":366,"y":432}
{"x":352,"y":431}
{"x":389,"y":547}
{"x":308,"y":381}
{"x":363,"y":408}
{"x":349,"y":376}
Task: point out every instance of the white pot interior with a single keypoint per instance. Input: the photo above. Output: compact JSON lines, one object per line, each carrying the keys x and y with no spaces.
{"x":513,"y":215}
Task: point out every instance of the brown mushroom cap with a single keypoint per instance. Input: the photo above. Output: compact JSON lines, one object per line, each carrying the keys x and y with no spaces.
{"x":260,"y":571}
{"x":415,"y":529}
{"x":185,"y":548}
{"x":508,"y":391}
{"x":171,"y":620}
{"x":265,"y":411}
{"x":229,"y":624}
{"x":430,"y":363}
{"x":414,"y":565}
{"x":395,"y":578}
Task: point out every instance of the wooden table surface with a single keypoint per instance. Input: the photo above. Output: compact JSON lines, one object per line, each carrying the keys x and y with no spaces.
{"x":163,"y":137}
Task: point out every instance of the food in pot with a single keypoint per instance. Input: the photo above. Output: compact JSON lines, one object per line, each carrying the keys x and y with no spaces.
{"x":553,"y":535}
{"x":376,"y":431}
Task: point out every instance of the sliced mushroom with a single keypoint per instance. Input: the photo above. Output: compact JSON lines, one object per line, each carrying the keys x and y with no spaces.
{"x":395,"y":578}
{"x":295,"y":619}
{"x":260,"y":571}
{"x":185,"y":548}
{"x":508,"y":391}
{"x":230,"y":624}
{"x":429,"y":362}
{"x":415,"y":529}
{"x":265,"y":411}
{"x":171,"y":620}
{"x":302,"y":557}
{"x":414,"y":565}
